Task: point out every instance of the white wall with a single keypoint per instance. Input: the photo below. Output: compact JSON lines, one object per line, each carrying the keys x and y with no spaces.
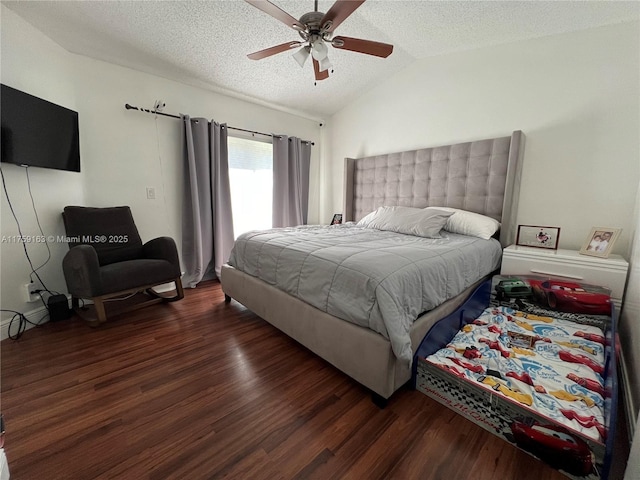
{"x":120,"y":151}
{"x":123,"y":153}
{"x":33,"y":63}
{"x":629,"y":329}
{"x":576,"y":97}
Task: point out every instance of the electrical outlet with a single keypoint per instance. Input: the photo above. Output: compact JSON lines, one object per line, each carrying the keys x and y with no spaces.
{"x":151,"y":193}
{"x":29,"y":294}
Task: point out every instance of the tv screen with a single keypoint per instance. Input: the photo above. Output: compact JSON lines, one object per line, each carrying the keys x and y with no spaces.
{"x":38,"y":133}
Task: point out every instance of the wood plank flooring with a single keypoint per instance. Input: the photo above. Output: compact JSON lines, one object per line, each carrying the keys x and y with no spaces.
{"x":198,"y":389}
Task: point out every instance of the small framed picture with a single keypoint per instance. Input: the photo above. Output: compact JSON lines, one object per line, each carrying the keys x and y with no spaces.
{"x":536,"y":236}
{"x":600,"y":241}
{"x":337,"y":219}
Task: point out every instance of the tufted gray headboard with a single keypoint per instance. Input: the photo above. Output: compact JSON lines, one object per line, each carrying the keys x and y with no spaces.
{"x":481,"y":176}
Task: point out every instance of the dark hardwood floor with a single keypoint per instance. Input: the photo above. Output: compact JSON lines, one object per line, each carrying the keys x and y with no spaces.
{"x":199,"y":389}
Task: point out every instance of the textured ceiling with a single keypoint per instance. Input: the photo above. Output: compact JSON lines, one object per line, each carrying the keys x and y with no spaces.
{"x":205,"y":43}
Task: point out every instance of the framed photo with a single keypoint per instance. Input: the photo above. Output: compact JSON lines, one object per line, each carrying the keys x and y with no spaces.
{"x":337,"y":219}
{"x":600,"y":241}
{"x":537,"y":236}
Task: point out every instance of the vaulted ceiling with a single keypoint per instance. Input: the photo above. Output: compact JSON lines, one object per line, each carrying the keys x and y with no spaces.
{"x":205,"y":43}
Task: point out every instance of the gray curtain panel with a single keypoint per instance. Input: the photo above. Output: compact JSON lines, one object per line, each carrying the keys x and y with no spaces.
{"x":291,"y":160}
{"x":207,"y":222}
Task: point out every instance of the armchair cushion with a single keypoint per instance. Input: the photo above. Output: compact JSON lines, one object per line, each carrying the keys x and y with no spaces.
{"x":134,"y":273}
{"x":110,"y":231}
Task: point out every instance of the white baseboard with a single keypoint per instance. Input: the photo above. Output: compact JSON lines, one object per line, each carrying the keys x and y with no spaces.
{"x":626,"y":395}
{"x":34,"y":316}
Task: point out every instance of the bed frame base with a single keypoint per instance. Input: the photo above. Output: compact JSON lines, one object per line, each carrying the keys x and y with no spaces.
{"x":379,"y":401}
{"x":363,"y":354}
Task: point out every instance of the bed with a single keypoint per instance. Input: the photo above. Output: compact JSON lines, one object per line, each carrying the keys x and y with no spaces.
{"x":540,"y":379}
{"x":480,"y":176}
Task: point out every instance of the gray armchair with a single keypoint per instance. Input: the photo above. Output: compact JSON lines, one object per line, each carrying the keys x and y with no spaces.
{"x":107,"y":259}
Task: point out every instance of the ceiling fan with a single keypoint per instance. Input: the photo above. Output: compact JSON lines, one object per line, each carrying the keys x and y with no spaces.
{"x":316,"y":29}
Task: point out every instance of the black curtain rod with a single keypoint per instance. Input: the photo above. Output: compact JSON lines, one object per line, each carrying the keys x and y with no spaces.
{"x":146,"y":110}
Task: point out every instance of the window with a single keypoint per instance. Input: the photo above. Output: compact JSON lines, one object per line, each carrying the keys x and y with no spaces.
{"x":251,"y":179}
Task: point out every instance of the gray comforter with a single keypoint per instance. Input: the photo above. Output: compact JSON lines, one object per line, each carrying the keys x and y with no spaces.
{"x":377,"y":279}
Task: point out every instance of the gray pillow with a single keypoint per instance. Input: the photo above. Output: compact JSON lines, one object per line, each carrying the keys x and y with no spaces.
{"x":410,"y":221}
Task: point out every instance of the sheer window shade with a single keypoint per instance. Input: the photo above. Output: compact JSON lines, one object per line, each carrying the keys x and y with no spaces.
{"x":251,"y":178}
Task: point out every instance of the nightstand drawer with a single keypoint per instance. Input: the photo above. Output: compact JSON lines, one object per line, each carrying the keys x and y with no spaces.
{"x":566,"y":264}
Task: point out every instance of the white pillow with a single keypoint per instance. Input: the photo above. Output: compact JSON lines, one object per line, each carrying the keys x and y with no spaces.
{"x":411,"y":221}
{"x":469,"y":223}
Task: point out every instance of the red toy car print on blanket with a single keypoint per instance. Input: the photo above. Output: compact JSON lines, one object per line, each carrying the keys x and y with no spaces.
{"x":468,"y":366}
{"x":495,"y":345}
{"x":571,"y":357}
{"x":593,"y":337}
{"x":587,"y":422}
{"x":523,"y":377}
{"x":587,"y":383}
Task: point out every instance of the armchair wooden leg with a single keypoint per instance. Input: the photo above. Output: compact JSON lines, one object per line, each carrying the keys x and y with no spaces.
{"x":100,"y":311}
{"x":179,"y":295}
{"x":126,"y":302}
{"x":179,"y":289}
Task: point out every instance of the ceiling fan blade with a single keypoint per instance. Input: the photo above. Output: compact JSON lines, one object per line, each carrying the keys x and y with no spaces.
{"x":320,"y":75}
{"x":267,"y":52}
{"x":277,"y":13}
{"x":339,"y":12}
{"x":363,"y":46}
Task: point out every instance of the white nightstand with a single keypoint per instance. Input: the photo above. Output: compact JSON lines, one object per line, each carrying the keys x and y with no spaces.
{"x":607,"y":272}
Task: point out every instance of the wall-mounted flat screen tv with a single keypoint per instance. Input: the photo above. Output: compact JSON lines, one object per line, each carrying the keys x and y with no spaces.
{"x":38,"y":133}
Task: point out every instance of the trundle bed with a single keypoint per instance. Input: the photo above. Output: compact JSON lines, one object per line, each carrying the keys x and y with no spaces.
{"x":540,"y":379}
{"x":481,"y":176}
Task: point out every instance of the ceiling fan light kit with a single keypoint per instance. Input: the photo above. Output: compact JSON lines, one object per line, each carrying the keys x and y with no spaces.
{"x":301,"y":55}
{"x":316,"y":29}
{"x":319,"y":50}
{"x":325,"y":64}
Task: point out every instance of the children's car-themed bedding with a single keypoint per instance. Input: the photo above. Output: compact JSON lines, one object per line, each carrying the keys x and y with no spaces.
{"x":540,"y":378}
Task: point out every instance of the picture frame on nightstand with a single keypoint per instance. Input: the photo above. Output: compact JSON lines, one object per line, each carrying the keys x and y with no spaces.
{"x":600,"y":241}
{"x":537,"y":236}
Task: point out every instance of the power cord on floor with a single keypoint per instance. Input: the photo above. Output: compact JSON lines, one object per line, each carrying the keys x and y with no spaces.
{"x":21,"y":320}
{"x":118,"y":299}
